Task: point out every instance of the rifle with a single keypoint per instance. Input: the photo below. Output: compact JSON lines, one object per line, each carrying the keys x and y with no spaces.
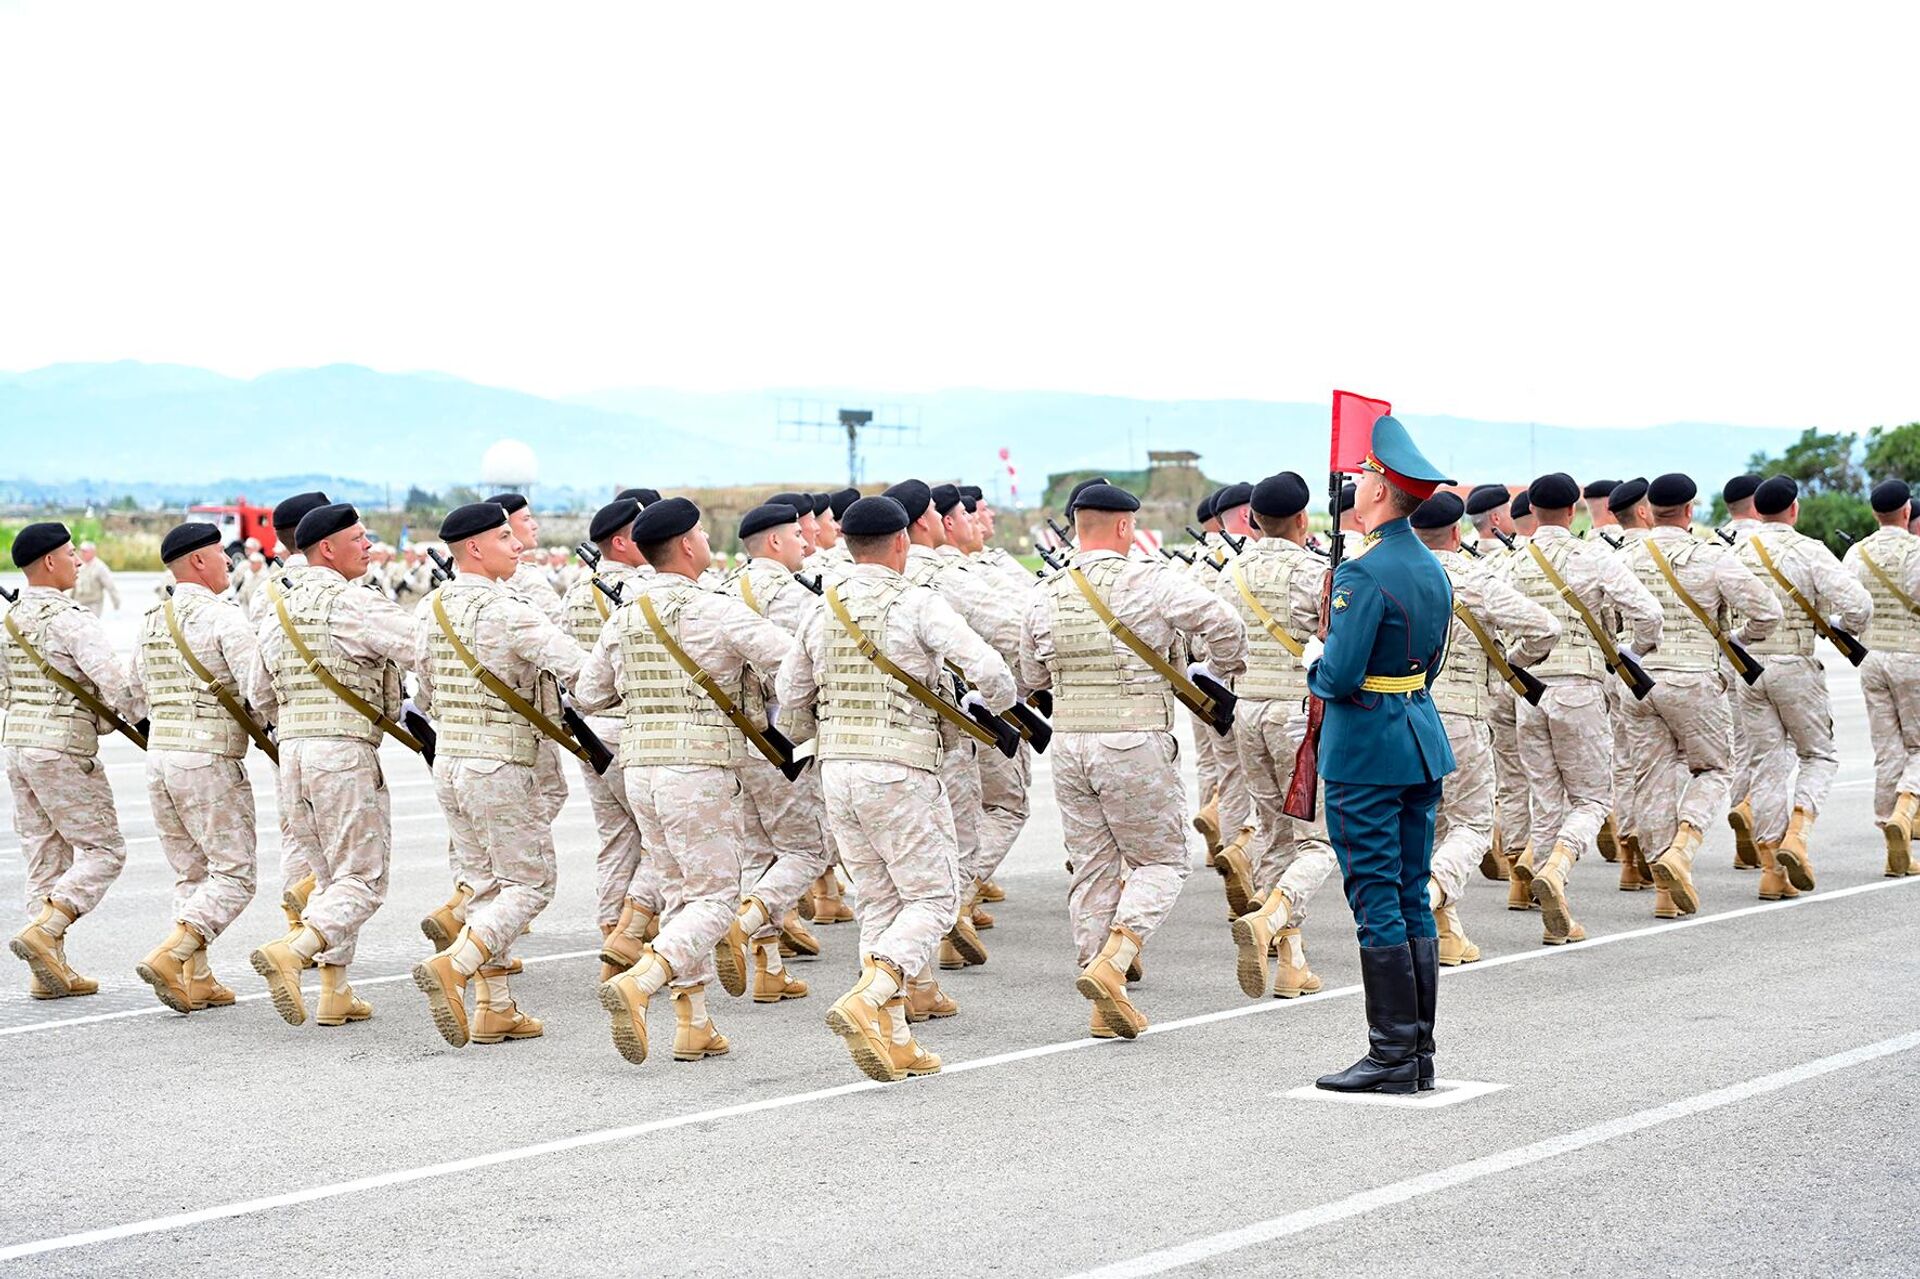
{"x":1065,"y":535}
{"x":1615,"y":542}
{"x":1235,"y":544}
{"x":1723,"y":535}
{"x":1019,"y":722}
{"x":1303,"y":792}
{"x":813,"y":584}
{"x":1182,"y":556}
{"x":1506,"y":539}
{"x":1471,"y":550}
{"x":1198,"y":535}
{"x":1047,"y":559}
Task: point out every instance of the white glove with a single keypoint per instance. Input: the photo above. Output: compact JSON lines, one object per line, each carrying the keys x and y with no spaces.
{"x":1196,"y":669}
{"x":973,"y":701}
{"x":1310,"y":652}
{"x":1625,"y":651}
{"x":566,"y":700}
{"x":1837,"y":623}
{"x":408,"y":708}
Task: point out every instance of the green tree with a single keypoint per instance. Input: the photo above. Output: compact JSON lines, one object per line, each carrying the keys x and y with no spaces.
{"x":1821,"y":461}
{"x":418,"y":499}
{"x":1825,"y":515}
{"x":1894,"y":453}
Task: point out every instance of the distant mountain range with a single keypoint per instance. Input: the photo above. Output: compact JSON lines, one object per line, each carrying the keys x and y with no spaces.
{"x":168,"y":434}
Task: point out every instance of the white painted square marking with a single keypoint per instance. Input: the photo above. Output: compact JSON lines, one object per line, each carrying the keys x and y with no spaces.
{"x":1445,"y":1092}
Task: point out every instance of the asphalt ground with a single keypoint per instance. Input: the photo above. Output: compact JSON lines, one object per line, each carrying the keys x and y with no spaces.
{"x":1729,"y":1093}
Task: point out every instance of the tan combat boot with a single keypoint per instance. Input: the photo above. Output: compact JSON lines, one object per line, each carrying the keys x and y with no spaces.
{"x":1899,"y":833}
{"x":1236,"y":873}
{"x":168,"y":966}
{"x":1520,"y":881}
{"x":771,"y":982}
{"x":730,"y":962}
{"x":608,"y":971}
{"x":796,"y":938}
{"x":1673,"y":871}
{"x":1253,"y":935}
{"x":204,"y":989}
{"x":1104,"y":981}
{"x":1608,"y":840}
{"x":1291,"y":976}
{"x":626,"y":997}
{"x":925,"y":999}
{"x":281,"y":963}
{"x":1792,"y":854}
{"x":904,"y":1053}
{"x":1207,"y":822}
{"x":1746,"y":855}
{"x":1774,"y":884}
{"x":858,"y":1018}
{"x":963,"y":939}
{"x":76,"y":984}
{"x":1455,"y":946}
{"x":827,"y":904}
{"x":496,"y":1017}
{"x":992,"y":892}
{"x":1099,"y":1028}
{"x":623,"y":945}
{"x":443,"y":980}
{"x":981,"y":919}
{"x":1550,"y":890}
{"x":293,"y":902}
{"x":1663,"y":907}
{"x":39,"y":945}
{"x":1135,"y":973}
{"x":338,"y":1004}
{"x":694,"y":1034}
{"x":1493,"y":862}
{"x":444,"y":922}
{"x":1631,"y":880}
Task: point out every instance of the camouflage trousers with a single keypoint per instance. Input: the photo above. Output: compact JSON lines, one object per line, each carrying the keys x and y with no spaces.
{"x":499,"y":821}
{"x":547,"y":795}
{"x":1680,"y":737}
{"x":1566,"y":744}
{"x":334,"y":795}
{"x":1124,"y":822}
{"x":1790,"y":735}
{"x":203,"y":810}
{"x":690,"y":821}
{"x":620,"y":869}
{"x":960,"y":778}
{"x":785,"y":825}
{"x":1287,"y":853}
{"x":1004,"y":806}
{"x":1512,"y":810}
{"x":69,"y":833}
{"x":1890,"y":683}
{"x":1740,"y":774}
{"x":1217,"y":762}
{"x":1623,"y":764}
{"x":1463,"y":824}
{"x":894,"y":829}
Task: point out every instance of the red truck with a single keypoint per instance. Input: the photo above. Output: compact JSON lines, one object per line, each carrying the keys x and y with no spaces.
{"x":238,"y":521}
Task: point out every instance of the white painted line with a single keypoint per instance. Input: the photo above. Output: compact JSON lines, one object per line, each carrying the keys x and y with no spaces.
{"x":1445,"y":1092}
{"x":519,"y":1154}
{"x":1399,"y":1192}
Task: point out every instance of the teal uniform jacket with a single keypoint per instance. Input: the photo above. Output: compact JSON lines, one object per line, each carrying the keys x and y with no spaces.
{"x":1389,"y":615}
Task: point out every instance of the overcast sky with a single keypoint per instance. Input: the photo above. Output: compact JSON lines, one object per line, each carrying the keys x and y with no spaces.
{"x":1605,"y":215}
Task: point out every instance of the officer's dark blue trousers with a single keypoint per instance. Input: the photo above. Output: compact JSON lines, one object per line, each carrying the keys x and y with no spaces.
{"x":1383,"y":836}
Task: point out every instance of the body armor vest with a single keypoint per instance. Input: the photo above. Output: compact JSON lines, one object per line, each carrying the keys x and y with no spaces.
{"x":185,"y":715}
{"x":1575,"y":652}
{"x":1461,"y":686}
{"x":309,"y":708}
{"x":764,"y":581}
{"x":1099,"y":685}
{"x":669,"y":720}
{"x":588,"y":610}
{"x":1684,"y":643}
{"x":1795,"y":634}
{"x":1894,"y":627}
{"x":40,"y":712}
{"x":1273,"y":673}
{"x":474,"y":723}
{"x":862,"y":712}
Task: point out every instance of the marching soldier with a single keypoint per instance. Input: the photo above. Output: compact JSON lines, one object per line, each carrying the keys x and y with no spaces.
{"x":293,"y":565}
{"x":60,"y":686}
{"x":1566,"y":741}
{"x":195,"y":657}
{"x":1100,"y":636}
{"x":860,"y":681}
{"x":1520,"y":515}
{"x":1207,"y":770}
{"x":1490,"y":508}
{"x":1887,"y":565}
{"x":530,"y":580}
{"x":1619,"y":839}
{"x":1005,"y":783}
{"x":94,"y":584}
{"x":1738,"y":493}
{"x":675,"y":659}
{"x":1275,"y":586}
{"x":1226,"y":812}
{"x":331,"y":657}
{"x":1680,"y":736}
{"x":1601,"y":513}
{"x":1486,"y":611}
{"x":832,"y":559}
{"x":1789,"y":718}
{"x":494,"y":665}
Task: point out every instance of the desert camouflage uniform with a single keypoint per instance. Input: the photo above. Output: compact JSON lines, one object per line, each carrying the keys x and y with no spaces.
{"x":298,"y":855}
{"x":95,"y":585}
{"x":1005,"y":784}
{"x":1740,"y":777}
{"x":1512,"y":811}
{"x":1890,"y":676}
{"x":1216,"y":758}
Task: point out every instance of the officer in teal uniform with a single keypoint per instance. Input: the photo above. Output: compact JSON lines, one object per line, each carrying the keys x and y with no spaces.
{"x":1383,"y":753}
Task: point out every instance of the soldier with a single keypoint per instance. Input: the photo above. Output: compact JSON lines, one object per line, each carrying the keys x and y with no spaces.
{"x":676,"y":659}
{"x":331,"y":658}
{"x":1233,"y":813}
{"x":195,"y":659}
{"x":832,"y":558}
{"x":1520,"y":515}
{"x":94,"y":585}
{"x":1619,"y":839}
{"x":60,"y":686}
{"x":1680,"y":736}
{"x":1274,"y":586}
{"x":1566,"y":742}
{"x":1789,"y":718}
{"x":1601,"y":514}
{"x":785,"y":821}
{"x":1489,"y":506}
{"x":1207,"y":766}
{"x":1887,"y":566}
{"x":1005,"y":783}
{"x":1100,"y":636}
{"x":492,"y":674}
{"x":861,"y":679}
{"x":1486,"y":609}
{"x":802,"y":504}
{"x":249,"y":582}
{"x":530,"y":580}
{"x":1738,"y":493}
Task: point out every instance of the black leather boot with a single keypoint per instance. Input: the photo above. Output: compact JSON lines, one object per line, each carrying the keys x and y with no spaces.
{"x":1393,"y":1026}
{"x":1426,"y":982}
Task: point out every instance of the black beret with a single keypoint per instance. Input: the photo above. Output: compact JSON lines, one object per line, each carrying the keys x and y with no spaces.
{"x":1279,"y":496}
{"x":1553,"y":492}
{"x":762,"y":518}
{"x":664,"y":521}
{"x":1442,"y":510}
{"x":35,"y":540}
{"x":914,"y":498}
{"x":1672,"y":489}
{"x":1074,"y":496}
{"x":471,"y":520}
{"x":1105,"y":497}
{"x":323,"y":522}
{"x":1347,"y":493}
{"x":822,"y":503}
{"x":944,"y":497}
{"x":1890,"y":495}
{"x":1487,"y":497}
{"x":1741,"y":487}
{"x":842,"y":500}
{"x":973,"y":491}
{"x":646,"y":497}
{"x":1231,"y":496}
{"x":614,"y":518}
{"x":971,"y":503}
{"x":185,"y":539}
{"x":874,"y":517}
{"x":1204,"y":511}
{"x":1626,"y":493}
{"x":286,"y":516}
{"x":509,"y":502}
{"x":1521,"y":506}
{"x":800,"y":502}
{"x":1599,"y":488}
{"x":1775,"y":494}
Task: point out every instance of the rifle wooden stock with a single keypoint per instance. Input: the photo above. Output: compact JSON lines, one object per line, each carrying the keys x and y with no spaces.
{"x":1303,"y":792}
{"x":1042,"y":701}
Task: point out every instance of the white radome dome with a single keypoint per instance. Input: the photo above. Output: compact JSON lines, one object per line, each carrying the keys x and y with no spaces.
{"x":509,"y":464}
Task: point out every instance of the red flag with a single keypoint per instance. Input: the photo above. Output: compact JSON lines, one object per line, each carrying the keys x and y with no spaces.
{"x":1353,"y":419}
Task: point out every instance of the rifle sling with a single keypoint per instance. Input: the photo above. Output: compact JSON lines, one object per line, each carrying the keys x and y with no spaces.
{"x":1496,"y":656}
{"x":1608,"y":649}
{"x":704,"y":682}
{"x":1888,"y":582}
{"x":334,"y":686}
{"x":228,"y":702}
{"x":920,"y":692}
{"x":1267,"y":619}
{"x":499,"y":688}
{"x":1665,"y":566}
{"x":1820,"y":623}
{"x":74,"y":688}
{"x":1185,"y":689}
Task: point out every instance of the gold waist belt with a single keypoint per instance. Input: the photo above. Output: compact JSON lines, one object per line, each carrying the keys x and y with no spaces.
{"x":1394,"y":683}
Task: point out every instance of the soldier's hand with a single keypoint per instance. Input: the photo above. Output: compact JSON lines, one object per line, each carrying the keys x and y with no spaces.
{"x":1310,"y":652}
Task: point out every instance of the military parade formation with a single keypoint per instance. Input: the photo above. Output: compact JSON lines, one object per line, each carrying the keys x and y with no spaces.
{"x":843,"y":729}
